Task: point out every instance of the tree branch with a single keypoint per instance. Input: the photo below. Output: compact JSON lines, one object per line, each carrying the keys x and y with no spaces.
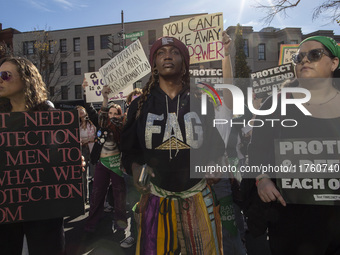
{"x":331,"y":9}
{"x":330,"y":6}
{"x":278,"y":6}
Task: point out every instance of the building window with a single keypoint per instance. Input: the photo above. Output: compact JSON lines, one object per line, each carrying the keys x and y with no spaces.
{"x":77,"y":92}
{"x":103,"y":61}
{"x":91,"y":67}
{"x":64,"y":93}
{"x":77,"y":68}
{"x":90,"y":43}
{"x":51,"y":44}
{"x":63,"y":68}
{"x":104,"y":40}
{"x":29,"y":48}
{"x":63,"y":47}
{"x":293,"y":41}
{"x":51,"y":67}
{"x":262,"y":51}
{"x":138,"y":84}
{"x":246,"y":48}
{"x":151,"y":36}
{"x":51,"y":90}
{"x":76,"y":44}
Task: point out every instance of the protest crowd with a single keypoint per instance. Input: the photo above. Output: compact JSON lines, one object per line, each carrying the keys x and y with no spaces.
{"x":135,"y":164}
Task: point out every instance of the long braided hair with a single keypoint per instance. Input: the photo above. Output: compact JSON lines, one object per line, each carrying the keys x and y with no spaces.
{"x":154,"y":80}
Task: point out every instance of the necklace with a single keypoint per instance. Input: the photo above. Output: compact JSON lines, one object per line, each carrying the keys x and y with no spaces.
{"x":175,"y":135}
{"x":308,"y":104}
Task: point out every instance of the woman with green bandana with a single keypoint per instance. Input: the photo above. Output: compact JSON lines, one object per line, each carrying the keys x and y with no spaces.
{"x":302,"y":216}
{"x":108,"y":167}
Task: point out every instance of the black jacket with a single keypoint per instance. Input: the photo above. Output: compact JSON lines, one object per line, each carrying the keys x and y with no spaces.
{"x":155,"y":136}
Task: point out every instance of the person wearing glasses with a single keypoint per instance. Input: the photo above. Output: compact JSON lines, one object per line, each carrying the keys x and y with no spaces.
{"x":22,"y":89}
{"x":303,"y":226}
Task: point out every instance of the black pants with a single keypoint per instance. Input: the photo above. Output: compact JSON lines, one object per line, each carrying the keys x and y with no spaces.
{"x":43,"y":237}
{"x":305,"y":230}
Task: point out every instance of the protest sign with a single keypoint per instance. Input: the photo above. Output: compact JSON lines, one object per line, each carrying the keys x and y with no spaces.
{"x":94,"y":88}
{"x":122,"y":95}
{"x":125,"y":68}
{"x":263,"y":81}
{"x":201,"y":34}
{"x":210,"y":76}
{"x":312,"y":170}
{"x":40,"y":166}
{"x":286,"y":53}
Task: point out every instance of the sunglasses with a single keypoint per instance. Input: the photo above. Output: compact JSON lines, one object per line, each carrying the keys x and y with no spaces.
{"x":312,"y":56}
{"x":5,"y":75}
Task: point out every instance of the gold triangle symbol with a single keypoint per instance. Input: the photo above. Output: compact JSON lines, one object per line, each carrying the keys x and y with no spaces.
{"x":172,"y":141}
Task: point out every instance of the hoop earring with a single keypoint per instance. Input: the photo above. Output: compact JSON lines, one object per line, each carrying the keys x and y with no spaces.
{"x":155,"y":72}
{"x":185,"y":71}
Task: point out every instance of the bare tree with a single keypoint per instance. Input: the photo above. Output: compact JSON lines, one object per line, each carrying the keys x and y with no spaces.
{"x":5,"y":50}
{"x":47,"y":57}
{"x":331,"y":8}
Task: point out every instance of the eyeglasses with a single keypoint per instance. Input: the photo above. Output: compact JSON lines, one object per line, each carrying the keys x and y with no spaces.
{"x":312,"y":56}
{"x":5,"y":75}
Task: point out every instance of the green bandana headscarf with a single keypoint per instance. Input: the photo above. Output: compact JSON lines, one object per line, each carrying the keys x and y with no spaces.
{"x":328,"y":42}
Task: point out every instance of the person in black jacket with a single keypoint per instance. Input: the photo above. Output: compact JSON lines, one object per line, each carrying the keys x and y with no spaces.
{"x":160,"y":132}
{"x":22,"y":89}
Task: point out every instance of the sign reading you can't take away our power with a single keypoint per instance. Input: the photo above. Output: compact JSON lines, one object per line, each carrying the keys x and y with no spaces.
{"x":201,"y":34}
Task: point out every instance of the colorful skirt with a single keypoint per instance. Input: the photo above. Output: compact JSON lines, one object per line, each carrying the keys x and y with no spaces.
{"x":179,"y":222}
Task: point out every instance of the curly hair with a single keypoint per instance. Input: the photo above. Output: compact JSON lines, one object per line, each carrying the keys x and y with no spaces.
{"x":154,"y":80}
{"x":136,"y":91}
{"x":34,"y":88}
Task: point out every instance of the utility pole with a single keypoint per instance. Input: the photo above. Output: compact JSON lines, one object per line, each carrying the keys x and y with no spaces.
{"x":116,"y":40}
{"x":123,"y":31}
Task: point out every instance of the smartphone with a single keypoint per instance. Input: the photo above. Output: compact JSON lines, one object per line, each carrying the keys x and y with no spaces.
{"x":144,"y":178}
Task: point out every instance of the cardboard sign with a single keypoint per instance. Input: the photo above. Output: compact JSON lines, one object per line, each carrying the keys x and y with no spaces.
{"x":93,"y":90}
{"x":310,"y":170}
{"x":40,"y":166}
{"x":286,"y":53}
{"x":125,"y":68}
{"x":210,"y":76}
{"x":122,"y":95}
{"x":263,"y":81}
{"x":201,"y":34}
